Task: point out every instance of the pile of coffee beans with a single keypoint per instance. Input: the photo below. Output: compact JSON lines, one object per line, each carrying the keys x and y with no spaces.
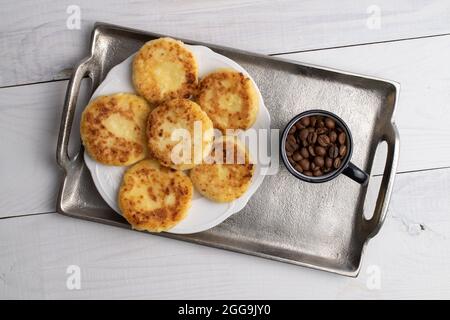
{"x":316,"y":145}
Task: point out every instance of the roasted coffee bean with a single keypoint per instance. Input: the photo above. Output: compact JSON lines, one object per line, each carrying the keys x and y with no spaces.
{"x":305,"y":121}
{"x":288,"y":147}
{"x":313,"y":166}
{"x":305,"y":164}
{"x":304,"y":152}
{"x":343,"y":150}
{"x":328,"y":162}
{"x":298,"y":168}
{"x":341,"y":138}
{"x":291,"y":144}
{"x":311,"y":151}
{"x":320,"y":151}
{"x":320,"y":131}
{"x":307,"y":173}
{"x":317,"y":173}
{"x":299,"y":126}
{"x":313,"y":121}
{"x":337,"y":163}
{"x":319,"y":161}
{"x":323,"y":140}
{"x":329,"y":123}
{"x":320,"y":124}
{"x":333,"y":136}
{"x":303,"y":134}
{"x":294,"y":145}
{"x":312,"y":137}
{"x":289,"y":153}
{"x":291,"y":139}
{"x":292,"y":130}
{"x":304,"y":143}
{"x":333,"y":151}
{"x":297,"y":156}
{"x":291,"y":161}
{"x":317,"y":168}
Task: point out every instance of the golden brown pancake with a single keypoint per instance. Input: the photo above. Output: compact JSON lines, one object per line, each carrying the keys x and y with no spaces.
{"x":164,"y":69}
{"x":167,"y":127}
{"x":229,"y":98}
{"x":113,"y":129}
{"x":154,"y":198}
{"x":226,"y":178}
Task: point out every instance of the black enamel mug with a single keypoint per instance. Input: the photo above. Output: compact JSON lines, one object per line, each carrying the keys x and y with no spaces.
{"x":347,"y":168}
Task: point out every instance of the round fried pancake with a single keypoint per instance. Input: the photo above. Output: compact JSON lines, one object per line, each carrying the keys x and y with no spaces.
{"x":229,"y":98}
{"x":164,"y":69}
{"x":154,"y":198}
{"x":180,"y":134}
{"x":113,"y":129}
{"x":228,"y":174}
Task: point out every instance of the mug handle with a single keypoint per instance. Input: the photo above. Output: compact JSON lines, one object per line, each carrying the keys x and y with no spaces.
{"x":356,"y":174}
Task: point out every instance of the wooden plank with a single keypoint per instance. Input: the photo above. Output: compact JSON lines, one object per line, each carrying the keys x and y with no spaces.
{"x":29,"y":126}
{"x":410,"y":256}
{"x":421,"y":67}
{"x":31,"y":114}
{"x":37,"y":44}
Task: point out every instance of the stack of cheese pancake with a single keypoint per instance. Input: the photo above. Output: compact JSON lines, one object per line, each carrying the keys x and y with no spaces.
{"x":144,"y":130}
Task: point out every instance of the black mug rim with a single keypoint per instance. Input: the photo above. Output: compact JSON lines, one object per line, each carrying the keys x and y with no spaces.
{"x":329,"y":176}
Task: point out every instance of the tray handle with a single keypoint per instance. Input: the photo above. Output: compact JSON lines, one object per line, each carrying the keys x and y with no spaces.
{"x":70,"y":103}
{"x":387,"y":183}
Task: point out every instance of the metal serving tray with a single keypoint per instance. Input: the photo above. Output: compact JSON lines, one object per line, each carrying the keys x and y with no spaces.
{"x":314,"y":225}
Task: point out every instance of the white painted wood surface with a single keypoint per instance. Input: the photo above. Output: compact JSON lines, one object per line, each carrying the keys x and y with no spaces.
{"x":36,"y":44}
{"x":29,"y":126}
{"x":411,"y":251}
{"x":35,"y":252}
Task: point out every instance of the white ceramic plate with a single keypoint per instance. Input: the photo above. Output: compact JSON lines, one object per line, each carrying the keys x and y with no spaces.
{"x":203,"y":214}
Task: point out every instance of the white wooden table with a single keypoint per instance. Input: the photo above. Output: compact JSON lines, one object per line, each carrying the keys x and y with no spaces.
{"x":407,"y":41}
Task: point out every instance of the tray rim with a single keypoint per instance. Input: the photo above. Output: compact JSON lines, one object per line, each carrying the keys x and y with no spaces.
{"x":65,"y":164}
